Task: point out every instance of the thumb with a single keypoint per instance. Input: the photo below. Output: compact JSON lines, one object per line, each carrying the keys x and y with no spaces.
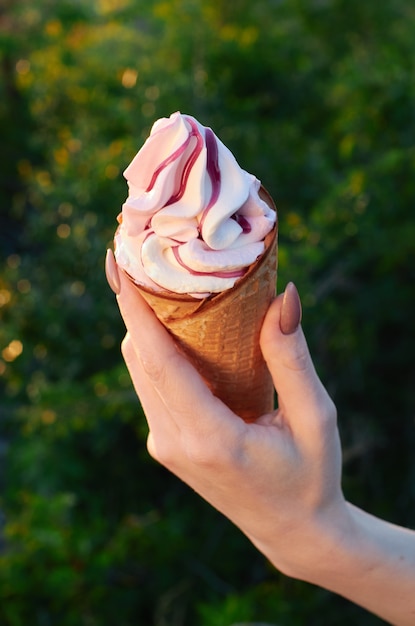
{"x":301,"y":395}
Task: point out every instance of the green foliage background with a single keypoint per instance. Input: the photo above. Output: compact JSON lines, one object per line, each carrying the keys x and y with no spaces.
{"x":317,"y":97}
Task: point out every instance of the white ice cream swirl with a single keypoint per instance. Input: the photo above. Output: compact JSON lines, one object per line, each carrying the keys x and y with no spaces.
{"x":193,"y":221}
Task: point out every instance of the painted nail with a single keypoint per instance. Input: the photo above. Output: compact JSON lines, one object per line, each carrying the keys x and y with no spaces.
{"x":111,"y":272}
{"x":290,"y":310}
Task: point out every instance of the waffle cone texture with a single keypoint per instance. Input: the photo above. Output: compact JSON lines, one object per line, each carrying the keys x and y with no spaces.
{"x":220,"y":334}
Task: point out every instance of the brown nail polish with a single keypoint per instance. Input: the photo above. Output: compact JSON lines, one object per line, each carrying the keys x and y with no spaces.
{"x":111,"y":272}
{"x":290,"y":310}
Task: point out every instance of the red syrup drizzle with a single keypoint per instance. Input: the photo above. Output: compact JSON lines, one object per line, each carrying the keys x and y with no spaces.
{"x":213,"y":170}
{"x":188,"y":165}
{"x":212,"y":167}
{"x":243,"y":223}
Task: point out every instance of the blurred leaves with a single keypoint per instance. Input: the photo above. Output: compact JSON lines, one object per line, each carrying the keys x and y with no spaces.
{"x":317,"y":99}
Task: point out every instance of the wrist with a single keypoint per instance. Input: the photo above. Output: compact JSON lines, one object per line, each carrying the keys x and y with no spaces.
{"x":310,"y":548}
{"x":329,"y":542}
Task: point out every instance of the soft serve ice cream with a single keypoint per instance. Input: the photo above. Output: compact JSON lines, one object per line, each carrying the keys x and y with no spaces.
{"x":193,"y":221}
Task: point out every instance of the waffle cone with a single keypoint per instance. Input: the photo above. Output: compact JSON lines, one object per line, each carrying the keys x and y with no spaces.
{"x":220,"y":334}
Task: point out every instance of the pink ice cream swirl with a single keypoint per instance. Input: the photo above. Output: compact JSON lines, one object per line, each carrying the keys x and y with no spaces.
{"x":193,"y":221}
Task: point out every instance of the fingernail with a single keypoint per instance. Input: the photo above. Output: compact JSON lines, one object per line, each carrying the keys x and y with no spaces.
{"x":290,"y":310}
{"x":111,"y":272}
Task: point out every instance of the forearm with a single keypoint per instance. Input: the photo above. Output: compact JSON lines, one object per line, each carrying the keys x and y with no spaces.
{"x":366,"y":560}
{"x":375,"y":568}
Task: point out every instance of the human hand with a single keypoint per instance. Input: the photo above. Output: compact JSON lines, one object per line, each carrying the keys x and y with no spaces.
{"x":279,"y":476}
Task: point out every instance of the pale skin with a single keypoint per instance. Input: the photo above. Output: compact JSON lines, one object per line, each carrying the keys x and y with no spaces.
{"x":279,"y":479}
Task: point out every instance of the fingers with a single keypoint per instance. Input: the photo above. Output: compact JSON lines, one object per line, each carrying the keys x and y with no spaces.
{"x":305,"y":402}
{"x":185,"y":396}
{"x":162,"y":431}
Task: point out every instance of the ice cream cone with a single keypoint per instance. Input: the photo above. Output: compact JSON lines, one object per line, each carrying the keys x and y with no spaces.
{"x":220,"y":334}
